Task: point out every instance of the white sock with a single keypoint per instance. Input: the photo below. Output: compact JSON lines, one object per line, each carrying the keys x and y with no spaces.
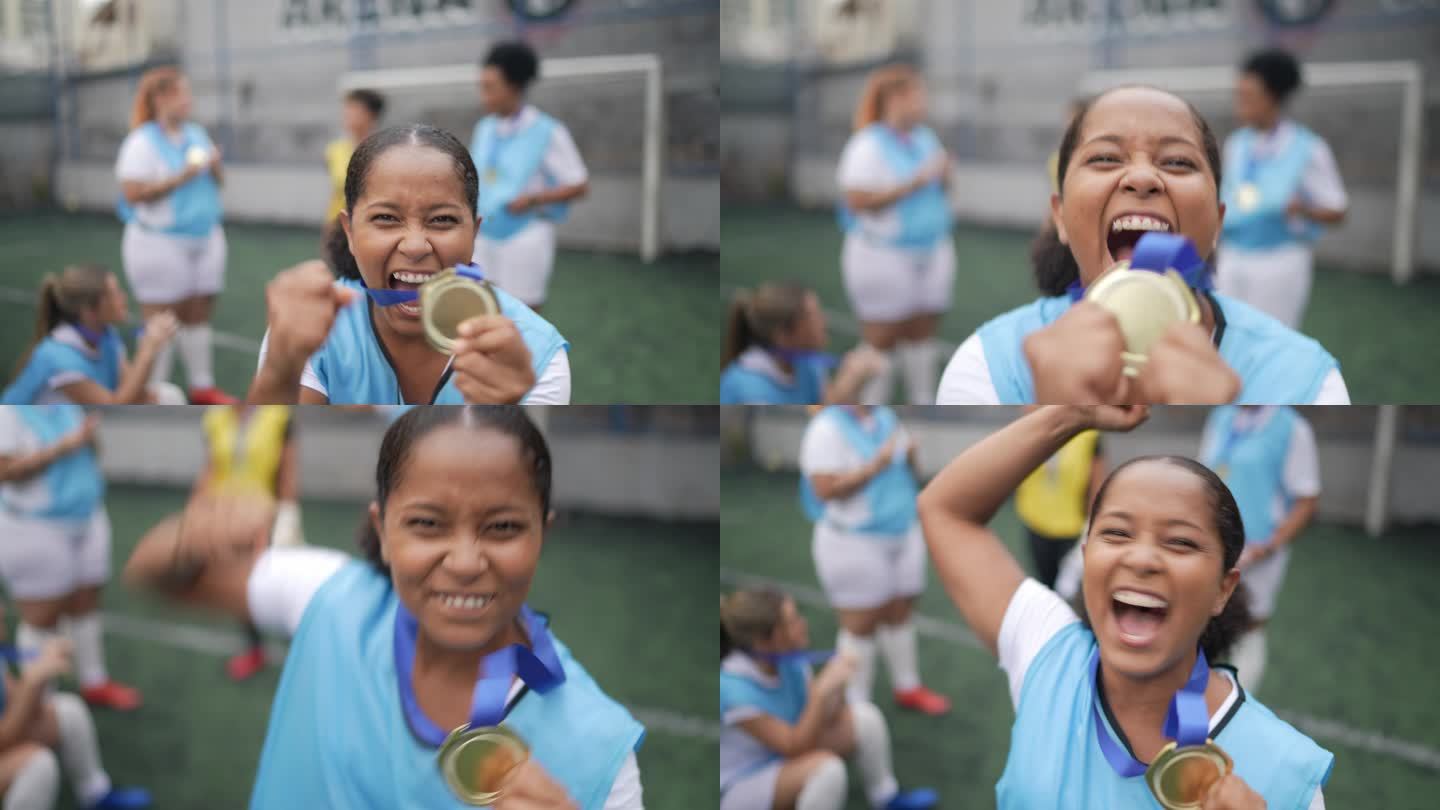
{"x":877,"y":390}
{"x":1248,"y":656}
{"x":918,"y":361}
{"x":79,"y":748}
{"x":37,"y":785}
{"x":872,"y":753}
{"x":85,"y":634}
{"x":862,"y":649}
{"x":898,"y":646}
{"x":826,"y":787}
{"x":164,"y":364}
{"x":195,"y":351}
{"x":30,"y":639}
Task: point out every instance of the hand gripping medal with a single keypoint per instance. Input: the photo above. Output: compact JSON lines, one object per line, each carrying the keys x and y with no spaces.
{"x":447,"y":299}
{"x":1185,"y":769}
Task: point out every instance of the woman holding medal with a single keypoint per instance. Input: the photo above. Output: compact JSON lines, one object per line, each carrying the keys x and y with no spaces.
{"x":899,"y":258}
{"x":785,"y":730}
{"x":530,"y":172}
{"x":429,"y":633}
{"x":1100,"y":695}
{"x":375,"y":338}
{"x":1268,"y":459}
{"x":1139,"y":179}
{"x":858,"y":471}
{"x":174,"y":246}
{"x":1282,"y":188}
{"x":774,"y":352}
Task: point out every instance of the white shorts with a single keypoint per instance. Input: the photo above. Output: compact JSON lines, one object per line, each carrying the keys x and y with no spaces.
{"x":754,"y":792}
{"x":49,"y":559}
{"x":1276,"y":282}
{"x":520,"y":265}
{"x":1263,"y":581}
{"x":165,"y":269}
{"x":860,"y":572}
{"x":887,"y":284}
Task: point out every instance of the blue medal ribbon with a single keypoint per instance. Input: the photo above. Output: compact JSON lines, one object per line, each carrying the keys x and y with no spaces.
{"x":537,"y":665}
{"x":1159,"y":252}
{"x":389,"y":298}
{"x":813,"y":657}
{"x":13,"y":654}
{"x":794,"y":357}
{"x":92,"y":336}
{"x":1187,"y":723}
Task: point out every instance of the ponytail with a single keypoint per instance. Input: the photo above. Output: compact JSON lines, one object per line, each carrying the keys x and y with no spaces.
{"x":879,"y":87}
{"x":154,"y":82}
{"x":336,"y":249}
{"x":755,"y":316}
{"x":749,"y":615}
{"x":63,"y":296}
{"x":738,"y":334}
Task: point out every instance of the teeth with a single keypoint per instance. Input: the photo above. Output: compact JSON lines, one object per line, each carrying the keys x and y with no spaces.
{"x":1136,"y":222}
{"x":412,"y":278}
{"x":1143,"y":600}
{"x":463,"y":602}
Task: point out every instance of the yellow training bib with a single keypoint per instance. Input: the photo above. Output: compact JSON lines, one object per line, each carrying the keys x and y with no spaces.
{"x":246,"y":455}
{"x":1051,"y":500}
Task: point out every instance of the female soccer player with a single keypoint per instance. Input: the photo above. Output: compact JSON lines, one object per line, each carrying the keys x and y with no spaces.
{"x":530,"y":172}
{"x":1135,"y":160}
{"x":1054,"y":500}
{"x":386,"y":650}
{"x":410,"y":213}
{"x":174,"y":246}
{"x":1160,"y":599}
{"x":1267,"y":457}
{"x":55,"y":558}
{"x":78,"y":355}
{"x":773,"y":355}
{"x":858,"y":470}
{"x":1281,"y":188}
{"x":784,"y":730}
{"x":898,"y":259}
{"x":361,"y":112}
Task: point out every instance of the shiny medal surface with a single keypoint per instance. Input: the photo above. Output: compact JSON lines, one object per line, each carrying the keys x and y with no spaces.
{"x":477,"y":762}
{"x":1248,"y":197}
{"x":449,"y":299}
{"x":1145,"y":303}
{"x":197,"y":155}
{"x":1181,"y":776}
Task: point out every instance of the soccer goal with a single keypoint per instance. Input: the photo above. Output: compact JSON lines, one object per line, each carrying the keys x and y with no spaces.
{"x":1369,"y":112}
{"x":611,"y":104}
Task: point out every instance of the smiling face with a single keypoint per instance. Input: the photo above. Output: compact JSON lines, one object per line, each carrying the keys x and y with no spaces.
{"x":175,"y":105}
{"x":1254,"y":106}
{"x":1153,"y":568}
{"x":791,"y":633}
{"x":1139,"y":164}
{"x":462,"y":531}
{"x":412,"y":220}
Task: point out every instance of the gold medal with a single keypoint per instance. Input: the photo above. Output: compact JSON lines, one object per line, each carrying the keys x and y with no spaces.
{"x":1248,"y":197}
{"x":448,"y":300}
{"x":197,"y":155}
{"x":1145,"y":303}
{"x":477,"y":762}
{"x":1180,"y":777}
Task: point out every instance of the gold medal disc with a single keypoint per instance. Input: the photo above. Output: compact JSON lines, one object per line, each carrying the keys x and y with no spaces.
{"x":1248,"y":197}
{"x":1145,"y":303}
{"x":1181,"y":777}
{"x":448,"y":300}
{"x":197,"y":155}
{"x":477,"y":762}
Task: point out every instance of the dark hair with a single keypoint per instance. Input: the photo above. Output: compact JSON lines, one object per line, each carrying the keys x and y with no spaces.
{"x":63,"y":296}
{"x":416,"y":423}
{"x":749,"y":615}
{"x":756,"y":315}
{"x":369,"y":99}
{"x":1221,"y":631}
{"x":336,"y":247}
{"x":516,"y":61}
{"x":1277,"y":70}
{"x":1054,"y":264}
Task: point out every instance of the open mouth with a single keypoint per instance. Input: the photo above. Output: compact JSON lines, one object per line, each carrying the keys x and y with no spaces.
{"x":408,"y":280}
{"x":1138,"y":616}
{"x":461,"y":602}
{"x":1126,"y":229}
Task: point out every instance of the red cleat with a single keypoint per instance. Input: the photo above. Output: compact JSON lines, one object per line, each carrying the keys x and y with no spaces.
{"x":211,"y":396}
{"x":924,"y":701}
{"x":244,"y":666}
{"x":112,"y":695}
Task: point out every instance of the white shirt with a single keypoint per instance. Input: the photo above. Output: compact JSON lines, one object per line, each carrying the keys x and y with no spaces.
{"x":551,"y":388}
{"x":863,"y":167}
{"x":824,"y":450}
{"x":739,"y":751}
{"x":140,"y":161}
{"x":1320,"y":183}
{"x":967,"y":381}
{"x":280,"y":588}
{"x":562,"y":164}
{"x":1035,"y":615}
{"x":1301,"y":478}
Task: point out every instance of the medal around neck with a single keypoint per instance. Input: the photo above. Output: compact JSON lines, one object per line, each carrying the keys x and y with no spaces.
{"x":1151,"y":291}
{"x":1180,"y":776}
{"x":449,"y":299}
{"x":1247,"y":197}
{"x":477,"y":762}
{"x":197,"y":155}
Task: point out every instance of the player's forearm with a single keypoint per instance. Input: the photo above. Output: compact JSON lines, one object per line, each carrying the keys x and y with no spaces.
{"x":275,"y":383}
{"x":22,"y":710}
{"x":140,"y":191}
{"x":135,"y":378}
{"x":21,"y":468}
{"x":561,"y":194}
{"x":840,"y":486}
{"x":1300,"y":515}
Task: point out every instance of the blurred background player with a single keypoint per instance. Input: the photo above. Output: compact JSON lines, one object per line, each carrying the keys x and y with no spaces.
{"x":1281,"y":187}
{"x":530,"y":171}
{"x":174,"y":246}
{"x":360,"y":114}
{"x":1053,"y":502}
{"x":252,"y":448}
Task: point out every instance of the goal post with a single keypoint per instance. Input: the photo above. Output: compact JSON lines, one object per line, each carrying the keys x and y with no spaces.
{"x":573,"y":70}
{"x":1407,"y":75}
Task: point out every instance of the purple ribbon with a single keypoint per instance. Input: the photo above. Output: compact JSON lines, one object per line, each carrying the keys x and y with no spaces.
{"x":1187,"y":723}
{"x":814,"y":657}
{"x":15,"y":655}
{"x":389,"y":298}
{"x":1158,"y":252}
{"x":797,"y":356}
{"x":92,"y":336}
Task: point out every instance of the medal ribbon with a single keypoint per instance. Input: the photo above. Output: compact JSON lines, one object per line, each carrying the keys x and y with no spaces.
{"x":389,"y":298}
{"x":1187,"y":723}
{"x":1158,"y":252}
{"x":814,"y":657}
{"x":795,"y":356}
{"x":537,"y":665}
{"x":1228,"y":442}
{"x":13,"y":654}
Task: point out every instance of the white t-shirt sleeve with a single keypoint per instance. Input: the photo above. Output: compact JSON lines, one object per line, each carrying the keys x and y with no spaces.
{"x":308,"y":377}
{"x":1302,"y":463}
{"x":562,"y":162}
{"x":863,"y":166}
{"x":625,"y":791}
{"x":284,"y":580}
{"x":553,"y":387}
{"x":823,"y":449}
{"x":138,"y":160}
{"x":11,"y":431}
{"x":1317,"y":802}
{"x":1321,"y":184}
{"x":966,"y":380}
{"x":1034,"y":616}
{"x":1332,"y":390}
